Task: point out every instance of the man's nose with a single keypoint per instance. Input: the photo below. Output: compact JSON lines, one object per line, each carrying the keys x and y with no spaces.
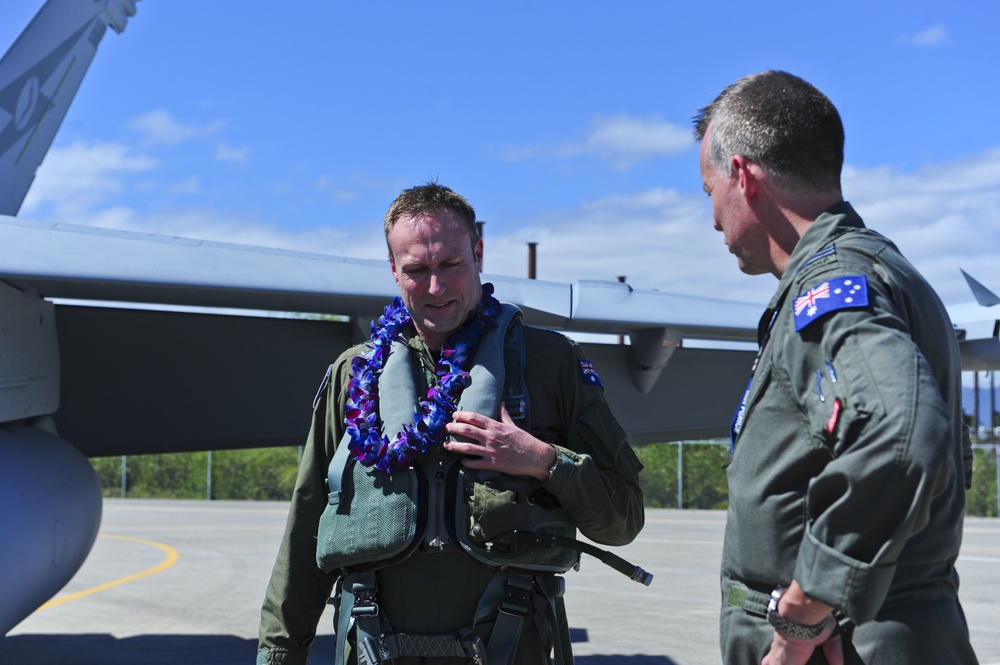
{"x":435,"y":284}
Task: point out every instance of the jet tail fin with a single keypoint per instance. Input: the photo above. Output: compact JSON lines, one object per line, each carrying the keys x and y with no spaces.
{"x":983,"y":295}
{"x":39,"y":76}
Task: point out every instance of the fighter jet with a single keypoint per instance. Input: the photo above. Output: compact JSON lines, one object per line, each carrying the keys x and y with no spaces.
{"x":117,"y":343}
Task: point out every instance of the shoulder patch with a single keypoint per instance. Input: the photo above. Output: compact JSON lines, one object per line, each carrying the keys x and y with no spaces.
{"x":829,"y":250}
{"x":590,"y":376}
{"x":846,"y":292}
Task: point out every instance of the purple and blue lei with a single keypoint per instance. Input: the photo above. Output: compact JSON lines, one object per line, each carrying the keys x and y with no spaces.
{"x":367,"y":445}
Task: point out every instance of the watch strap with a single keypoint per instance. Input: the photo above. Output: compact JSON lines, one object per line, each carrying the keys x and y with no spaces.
{"x":789,"y":628}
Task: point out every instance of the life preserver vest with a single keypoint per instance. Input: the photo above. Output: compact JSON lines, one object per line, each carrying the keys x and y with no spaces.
{"x":374,"y":519}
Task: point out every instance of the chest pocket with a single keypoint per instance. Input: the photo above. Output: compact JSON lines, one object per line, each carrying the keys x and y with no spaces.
{"x":489,"y":506}
{"x":371,"y":516}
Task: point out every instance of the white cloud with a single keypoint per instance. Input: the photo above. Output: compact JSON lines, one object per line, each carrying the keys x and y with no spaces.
{"x":335,"y":191}
{"x":620,"y":140}
{"x":208,"y":224}
{"x":187,"y":186}
{"x":225,"y":153}
{"x":942,"y":217}
{"x":657,"y":239}
{"x":82,"y":176}
{"x":932,"y":36}
{"x":159,"y":127}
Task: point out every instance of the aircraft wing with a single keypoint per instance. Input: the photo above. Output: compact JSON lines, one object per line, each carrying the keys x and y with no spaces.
{"x":98,"y":356}
{"x":114,"y":267}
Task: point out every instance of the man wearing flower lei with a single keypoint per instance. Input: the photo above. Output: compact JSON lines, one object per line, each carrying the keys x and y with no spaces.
{"x":424,"y":431}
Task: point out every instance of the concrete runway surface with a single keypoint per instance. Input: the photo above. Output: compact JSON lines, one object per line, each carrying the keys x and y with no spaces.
{"x":182,"y":582}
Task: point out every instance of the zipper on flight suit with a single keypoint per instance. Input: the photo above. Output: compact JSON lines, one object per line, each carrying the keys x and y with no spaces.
{"x":436,"y":533}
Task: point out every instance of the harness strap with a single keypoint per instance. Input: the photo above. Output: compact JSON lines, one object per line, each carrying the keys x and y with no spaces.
{"x":513,"y":595}
{"x":551,"y":623}
{"x":357,"y":610}
{"x":515,"y":393}
{"x":386,"y":648}
{"x":523,"y":538}
{"x":514,"y":607}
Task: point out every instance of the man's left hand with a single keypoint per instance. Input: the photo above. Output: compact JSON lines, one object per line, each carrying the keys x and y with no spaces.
{"x":499,"y":445}
{"x":789,"y":651}
{"x":796,"y":606}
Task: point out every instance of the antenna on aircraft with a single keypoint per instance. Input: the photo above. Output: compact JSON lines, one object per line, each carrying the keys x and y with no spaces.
{"x":532,"y":259}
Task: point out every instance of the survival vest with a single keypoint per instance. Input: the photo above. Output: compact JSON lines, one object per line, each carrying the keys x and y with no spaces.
{"x":375,"y":519}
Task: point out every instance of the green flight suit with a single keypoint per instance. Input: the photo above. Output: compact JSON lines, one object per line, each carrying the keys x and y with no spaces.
{"x":595,"y":481}
{"x":848,"y":473}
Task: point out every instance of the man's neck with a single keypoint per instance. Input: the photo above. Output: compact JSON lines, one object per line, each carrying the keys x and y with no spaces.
{"x":795,"y":214}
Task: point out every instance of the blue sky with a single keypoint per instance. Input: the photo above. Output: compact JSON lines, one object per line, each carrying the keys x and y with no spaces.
{"x":567,"y":124}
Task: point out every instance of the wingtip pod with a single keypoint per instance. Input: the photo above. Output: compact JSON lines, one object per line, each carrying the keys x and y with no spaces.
{"x":118,"y":12}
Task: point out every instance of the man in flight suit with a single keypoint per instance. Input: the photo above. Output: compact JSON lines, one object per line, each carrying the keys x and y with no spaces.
{"x":847,"y":481}
{"x":574,"y":459}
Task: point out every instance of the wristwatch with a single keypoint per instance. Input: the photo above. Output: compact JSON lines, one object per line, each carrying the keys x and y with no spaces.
{"x":555,"y":464}
{"x":790,"y":628}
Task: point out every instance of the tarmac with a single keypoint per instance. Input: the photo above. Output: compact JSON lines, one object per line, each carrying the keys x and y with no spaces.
{"x":182,"y":582}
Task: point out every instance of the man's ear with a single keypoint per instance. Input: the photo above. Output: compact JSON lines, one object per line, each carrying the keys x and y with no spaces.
{"x":392,"y":266}
{"x":478,"y":253}
{"x":746,"y":172}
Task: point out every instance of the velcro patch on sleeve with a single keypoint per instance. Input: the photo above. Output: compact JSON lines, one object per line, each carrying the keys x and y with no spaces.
{"x":846,"y":292}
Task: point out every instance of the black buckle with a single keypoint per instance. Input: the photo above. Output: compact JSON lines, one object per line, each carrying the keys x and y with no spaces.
{"x":475,"y":650}
{"x":364,"y":601}
{"x":518,"y":589}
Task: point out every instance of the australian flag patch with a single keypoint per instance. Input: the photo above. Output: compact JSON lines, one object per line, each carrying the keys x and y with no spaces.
{"x":590,"y":374}
{"x":839,"y":293}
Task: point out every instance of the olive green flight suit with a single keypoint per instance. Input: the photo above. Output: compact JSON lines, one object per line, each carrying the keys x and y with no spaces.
{"x":595,"y":481}
{"x":848,"y":474}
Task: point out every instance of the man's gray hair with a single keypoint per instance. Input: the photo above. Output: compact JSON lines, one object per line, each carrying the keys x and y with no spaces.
{"x":781,"y":123}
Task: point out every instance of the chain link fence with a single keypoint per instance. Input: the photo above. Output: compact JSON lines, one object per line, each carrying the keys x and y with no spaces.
{"x":692,"y":474}
{"x":684,"y":474}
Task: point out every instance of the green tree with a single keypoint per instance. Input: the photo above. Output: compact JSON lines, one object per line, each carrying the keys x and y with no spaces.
{"x":254,"y":474}
{"x":981,"y":499}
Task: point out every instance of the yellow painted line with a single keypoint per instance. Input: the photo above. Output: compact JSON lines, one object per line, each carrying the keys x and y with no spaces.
{"x":169,"y":560}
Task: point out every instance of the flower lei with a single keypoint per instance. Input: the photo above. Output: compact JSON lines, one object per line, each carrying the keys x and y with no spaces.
{"x":367,"y":445}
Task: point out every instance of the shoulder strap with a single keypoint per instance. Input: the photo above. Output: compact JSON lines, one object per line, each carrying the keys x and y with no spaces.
{"x":515,"y":393}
